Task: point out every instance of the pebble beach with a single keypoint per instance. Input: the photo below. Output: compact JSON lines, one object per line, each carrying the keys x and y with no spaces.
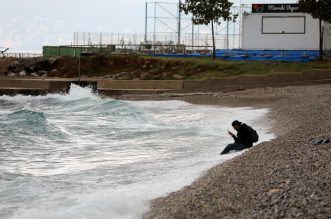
{"x":287,"y":177}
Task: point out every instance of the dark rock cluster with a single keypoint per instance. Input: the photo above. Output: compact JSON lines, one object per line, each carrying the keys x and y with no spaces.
{"x":115,"y":67}
{"x":38,"y":67}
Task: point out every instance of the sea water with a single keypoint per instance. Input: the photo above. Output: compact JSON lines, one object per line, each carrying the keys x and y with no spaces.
{"x":83,"y":156}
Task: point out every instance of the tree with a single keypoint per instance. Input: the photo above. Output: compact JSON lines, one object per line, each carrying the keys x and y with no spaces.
{"x":209,"y":11}
{"x":318,"y":9}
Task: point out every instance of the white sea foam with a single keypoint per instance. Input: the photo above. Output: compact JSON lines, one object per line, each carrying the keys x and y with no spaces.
{"x":92,"y":157}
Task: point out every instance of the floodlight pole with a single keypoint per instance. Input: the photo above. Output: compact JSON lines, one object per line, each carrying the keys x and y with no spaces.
{"x":154,"y":35}
{"x":192,"y":35}
{"x":240,"y":24}
{"x":179,"y":21}
{"x":227,"y":34}
{"x":146,"y":17}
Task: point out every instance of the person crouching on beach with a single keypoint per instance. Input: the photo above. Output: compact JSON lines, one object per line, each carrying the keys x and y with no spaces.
{"x":244,"y":139}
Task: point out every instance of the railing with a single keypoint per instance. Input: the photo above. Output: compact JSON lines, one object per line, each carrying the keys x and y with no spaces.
{"x":20,"y":55}
{"x":222,"y":40}
{"x":144,"y":49}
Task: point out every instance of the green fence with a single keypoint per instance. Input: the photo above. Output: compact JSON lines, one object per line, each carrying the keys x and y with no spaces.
{"x":76,"y":51}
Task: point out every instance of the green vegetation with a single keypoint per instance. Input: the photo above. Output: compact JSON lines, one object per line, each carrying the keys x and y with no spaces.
{"x":209,"y":12}
{"x":206,"y":68}
{"x":147,"y":68}
{"x":320,"y":10}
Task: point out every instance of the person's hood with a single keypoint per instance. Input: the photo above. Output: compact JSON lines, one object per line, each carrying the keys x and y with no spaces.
{"x":243,"y":126}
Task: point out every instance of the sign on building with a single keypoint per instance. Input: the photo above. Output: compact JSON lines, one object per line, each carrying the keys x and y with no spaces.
{"x":275,"y":8}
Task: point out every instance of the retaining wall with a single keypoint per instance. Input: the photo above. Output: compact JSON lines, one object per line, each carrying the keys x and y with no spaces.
{"x":271,"y":80}
{"x":13,"y":86}
{"x":27,"y":86}
{"x":24,"y":84}
{"x":140,"y":84}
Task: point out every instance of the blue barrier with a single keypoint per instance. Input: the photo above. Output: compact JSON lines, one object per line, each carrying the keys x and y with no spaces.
{"x":255,"y":55}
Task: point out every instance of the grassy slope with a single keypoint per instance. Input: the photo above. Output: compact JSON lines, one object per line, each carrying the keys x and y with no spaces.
{"x":160,"y":68}
{"x":219,"y":68}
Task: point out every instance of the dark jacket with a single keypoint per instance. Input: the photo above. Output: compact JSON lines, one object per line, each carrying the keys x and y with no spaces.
{"x":243,"y":136}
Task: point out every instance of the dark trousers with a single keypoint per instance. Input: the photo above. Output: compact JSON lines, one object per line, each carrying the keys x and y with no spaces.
{"x":234,"y":146}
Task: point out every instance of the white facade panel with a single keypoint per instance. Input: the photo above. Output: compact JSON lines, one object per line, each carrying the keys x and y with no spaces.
{"x":283,"y":33}
{"x":283,"y":25}
{"x":327,"y":36}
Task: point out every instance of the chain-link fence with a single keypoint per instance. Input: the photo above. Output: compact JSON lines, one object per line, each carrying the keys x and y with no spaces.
{"x":195,"y":41}
{"x":20,"y":55}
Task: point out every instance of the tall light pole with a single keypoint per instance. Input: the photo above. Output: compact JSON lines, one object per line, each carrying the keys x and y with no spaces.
{"x":179,"y":21}
{"x":240,"y":24}
{"x":146,"y":15}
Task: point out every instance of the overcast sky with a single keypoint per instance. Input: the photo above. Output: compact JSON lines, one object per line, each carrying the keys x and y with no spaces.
{"x":28,"y":25}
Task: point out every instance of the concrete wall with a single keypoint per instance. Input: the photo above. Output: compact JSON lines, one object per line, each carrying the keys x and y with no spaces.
{"x":271,"y":80}
{"x":59,"y":86}
{"x":140,"y":84}
{"x":327,"y":36}
{"x":27,"y":86}
{"x":24,"y":83}
{"x":10,"y":86}
{"x":253,"y":38}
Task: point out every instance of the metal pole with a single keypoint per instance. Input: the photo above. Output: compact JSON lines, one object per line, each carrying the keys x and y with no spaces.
{"x":234,"y":34}
{"x":79,"y":69}
{"x":154,"y":36}
{"x":192,"y":35}
{"x":146,"y":14}
{"x":240,"y":24}
{"x":242,"y":34}
{"x":198,"y":36}
{"x":89,"y":38}
{"x":179,"y":21}
{"x":227,"y":34}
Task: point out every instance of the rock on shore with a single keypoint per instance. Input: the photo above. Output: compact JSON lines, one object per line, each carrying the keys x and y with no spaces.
{"x":288,"y":177}
{"x":39,"y":67}
{"x":114,"y":67}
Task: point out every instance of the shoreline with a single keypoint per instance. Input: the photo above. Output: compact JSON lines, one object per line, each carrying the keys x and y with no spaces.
{"x":111,"y":87}
{"x":285,"y":177}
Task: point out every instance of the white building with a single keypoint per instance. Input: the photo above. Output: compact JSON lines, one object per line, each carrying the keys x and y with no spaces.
{"x":327,"y":36}
{"x":282,"y":27}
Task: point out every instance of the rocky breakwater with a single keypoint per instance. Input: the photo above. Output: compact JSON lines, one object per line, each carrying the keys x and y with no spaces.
{"x":142,"y":68}
{"x":38,"y":67}
{"x":114,"y":67}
